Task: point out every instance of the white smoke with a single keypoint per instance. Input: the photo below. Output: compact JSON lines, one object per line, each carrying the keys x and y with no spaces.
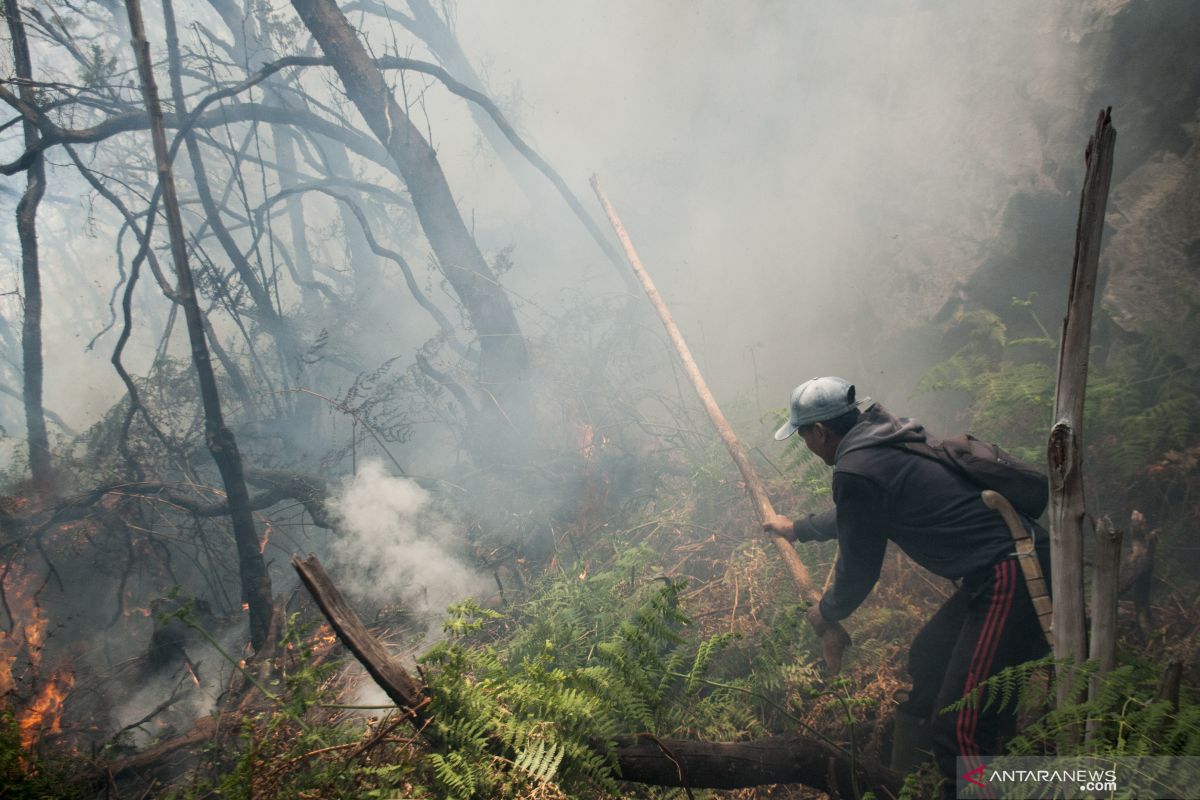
{"x":395,"y":548}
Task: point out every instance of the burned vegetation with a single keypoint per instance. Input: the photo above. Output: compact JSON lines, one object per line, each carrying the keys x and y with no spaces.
{"x":335,"y":498}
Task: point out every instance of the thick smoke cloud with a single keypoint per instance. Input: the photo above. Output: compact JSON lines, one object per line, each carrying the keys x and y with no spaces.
{"x":395,"y":548}
{"x":805,"y":179}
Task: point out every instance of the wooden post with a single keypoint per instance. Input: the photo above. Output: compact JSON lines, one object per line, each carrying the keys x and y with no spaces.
{"x":1065,"y":446}
{"x":1105,"y":579}
{"x":835,"y":639}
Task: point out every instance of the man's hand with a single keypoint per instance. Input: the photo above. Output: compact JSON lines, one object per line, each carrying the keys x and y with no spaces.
{"x":781,"y":526}
{"x":834,"y":639}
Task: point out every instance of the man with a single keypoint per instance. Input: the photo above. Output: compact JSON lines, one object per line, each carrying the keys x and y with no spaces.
{"x":883,"y":492}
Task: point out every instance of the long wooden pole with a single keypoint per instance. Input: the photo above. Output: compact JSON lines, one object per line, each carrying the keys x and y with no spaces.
{"x":1065,"y":447}
{"x":834,"y":639}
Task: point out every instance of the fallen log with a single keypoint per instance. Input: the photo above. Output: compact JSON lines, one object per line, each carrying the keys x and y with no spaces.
{"x":735,"y":765}
{"x":205,"y":728}
{"x":641,"y":758}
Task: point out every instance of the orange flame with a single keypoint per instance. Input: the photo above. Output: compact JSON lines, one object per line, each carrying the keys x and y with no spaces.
{"x":321,"y":639}
{"x":44,"y":715}
{"x":27,"y":623}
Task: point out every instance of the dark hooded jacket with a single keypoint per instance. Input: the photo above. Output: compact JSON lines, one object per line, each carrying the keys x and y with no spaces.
{"x":884,"y":492}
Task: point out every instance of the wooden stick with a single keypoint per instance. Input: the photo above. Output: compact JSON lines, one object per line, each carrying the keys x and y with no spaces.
{"x":758,"y":492}
{"x":1064,"y":450}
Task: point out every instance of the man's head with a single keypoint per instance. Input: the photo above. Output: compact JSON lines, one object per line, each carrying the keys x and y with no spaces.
{"x":822,"y":411}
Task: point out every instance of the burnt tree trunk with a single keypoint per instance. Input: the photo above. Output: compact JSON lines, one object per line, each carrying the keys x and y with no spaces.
{"x":32,"y":364}
{"x":503,"y":360}
{"x":256,"y":583}
{"x":404,"y":691}
{"x":1065,"y":448}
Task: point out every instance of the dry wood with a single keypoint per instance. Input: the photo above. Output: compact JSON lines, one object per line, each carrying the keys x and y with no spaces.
{"x":1106,"y":563}
{"x":204,"y":729}
{"x":1067,"y":510}
{"x":835,"y":638}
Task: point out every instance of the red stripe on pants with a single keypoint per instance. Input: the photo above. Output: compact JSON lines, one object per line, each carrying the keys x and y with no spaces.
{"x":983,"y":656}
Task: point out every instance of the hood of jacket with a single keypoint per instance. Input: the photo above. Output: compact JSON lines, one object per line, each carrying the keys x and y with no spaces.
{"x":878,"y":428}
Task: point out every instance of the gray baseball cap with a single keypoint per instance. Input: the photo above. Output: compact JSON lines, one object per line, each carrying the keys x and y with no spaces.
{"x":818,"y":400}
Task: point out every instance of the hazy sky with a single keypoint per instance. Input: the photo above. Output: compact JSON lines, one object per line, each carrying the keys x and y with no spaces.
{"x":799,"y":177}
{"x":779,"y":163}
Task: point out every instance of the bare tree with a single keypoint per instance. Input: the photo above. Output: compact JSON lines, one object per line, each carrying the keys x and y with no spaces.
{"x":256,"y":583}
{"x":503,"y":361}
{"x":31,"y":326}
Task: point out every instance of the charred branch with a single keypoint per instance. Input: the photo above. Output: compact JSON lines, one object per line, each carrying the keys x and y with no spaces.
{"x":52,"y":134}
{"x":404,"y":691}
{"x":50,"y":414}
{"x":504,"y":360}
{"x":735,"y":765}
{"x":254,"y":286}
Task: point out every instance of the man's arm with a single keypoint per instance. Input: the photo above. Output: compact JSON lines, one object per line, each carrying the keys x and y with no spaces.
{"x":862,"y":541}
{"x":811,"y":528}
{"x":817,"y":527}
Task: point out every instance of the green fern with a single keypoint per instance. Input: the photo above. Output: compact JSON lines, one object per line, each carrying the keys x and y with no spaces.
{"x":547,"y":708}
{"x":1124,"y":716}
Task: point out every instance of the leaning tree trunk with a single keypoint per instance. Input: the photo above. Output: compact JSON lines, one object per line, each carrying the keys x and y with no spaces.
{"x":1065,"y":449}
{"x":31,"y":324}
{"x":503,"y":360}
{"x":435,"y":31}
{"x":256,"y":583}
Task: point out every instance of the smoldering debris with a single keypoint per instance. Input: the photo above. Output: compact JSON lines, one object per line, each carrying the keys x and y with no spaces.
{"x":395,"y":548}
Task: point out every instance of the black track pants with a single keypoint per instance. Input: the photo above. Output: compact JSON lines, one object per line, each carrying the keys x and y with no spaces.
{"x":986,"y":625}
